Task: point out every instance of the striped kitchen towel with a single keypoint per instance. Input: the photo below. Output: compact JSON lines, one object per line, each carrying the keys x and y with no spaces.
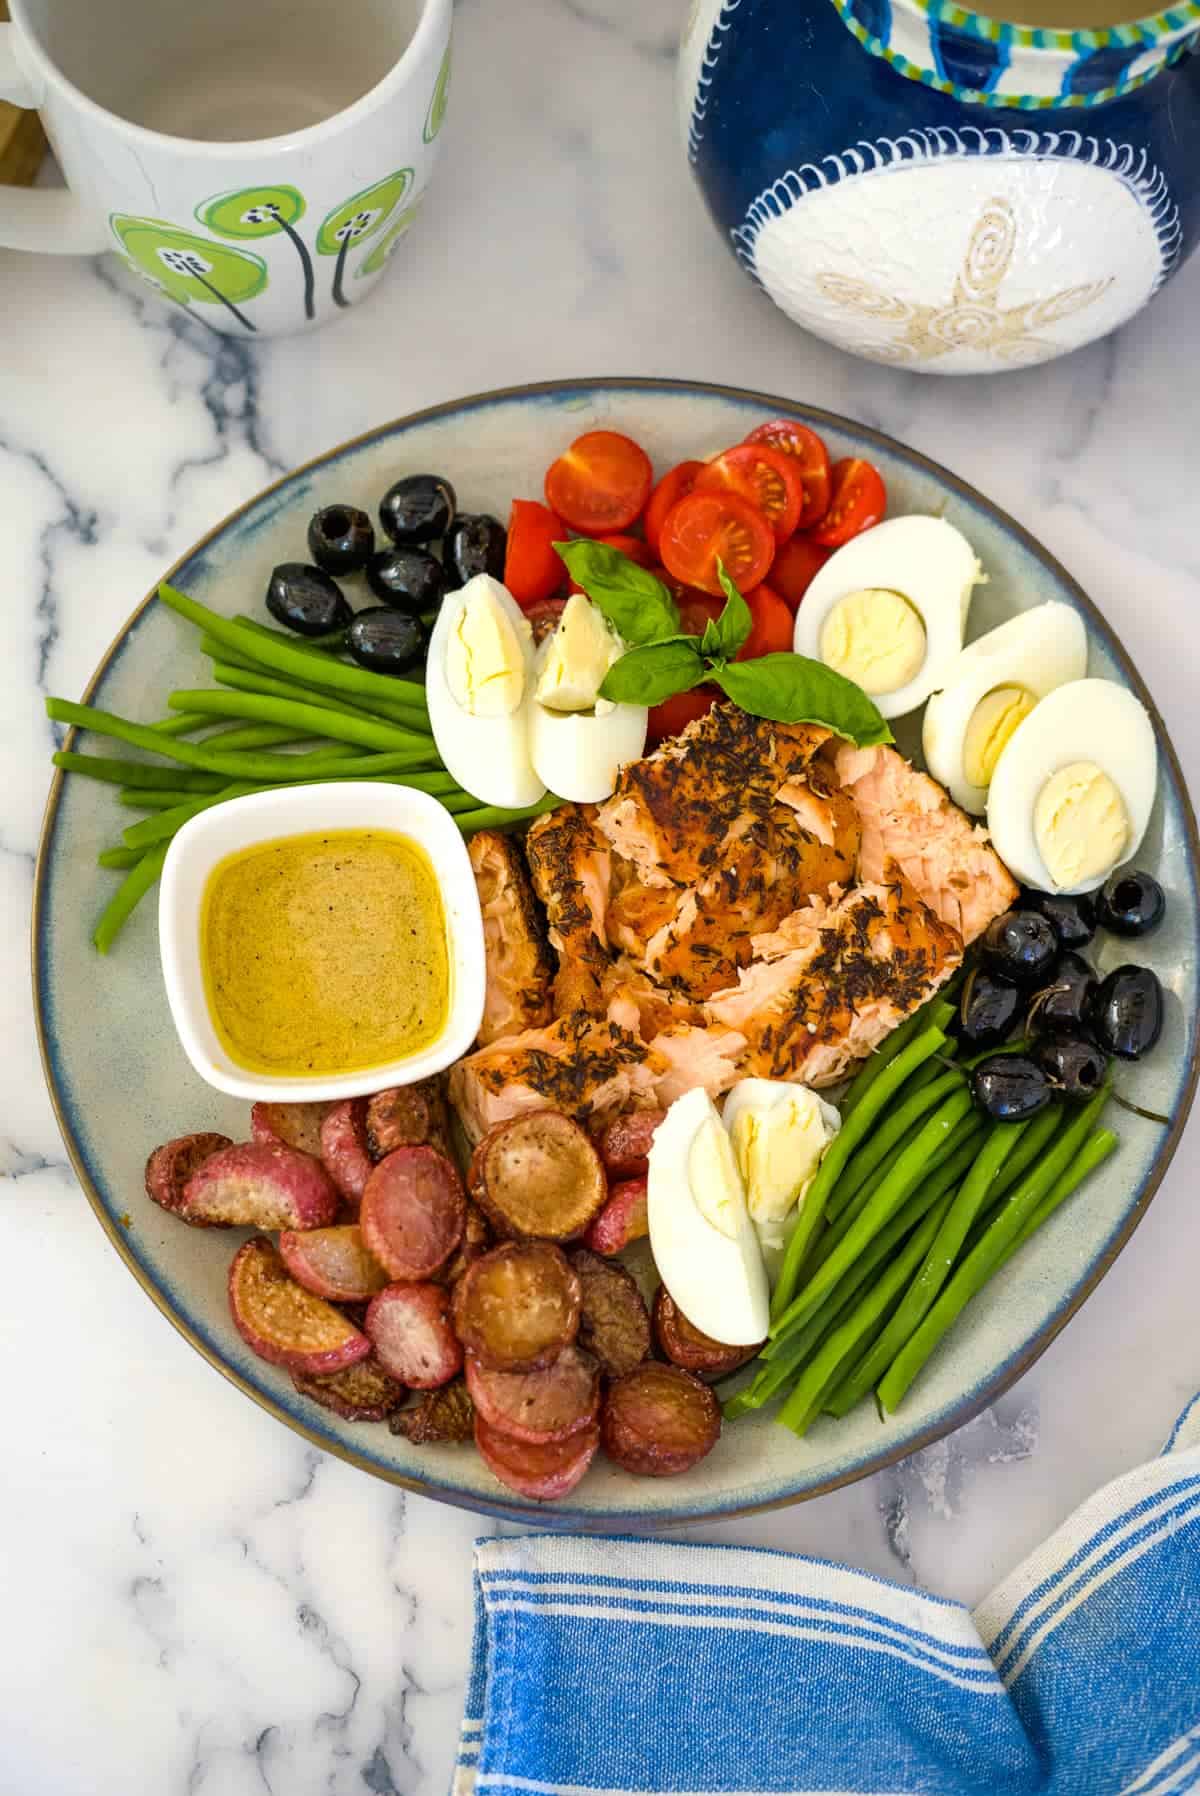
{"x":648,"y":1666}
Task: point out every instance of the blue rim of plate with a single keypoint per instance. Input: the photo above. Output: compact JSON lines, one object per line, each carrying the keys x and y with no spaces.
{"x":955,"y":1415}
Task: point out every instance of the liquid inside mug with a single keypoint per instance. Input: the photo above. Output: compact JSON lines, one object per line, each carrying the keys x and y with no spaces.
{"x":256,"y":161}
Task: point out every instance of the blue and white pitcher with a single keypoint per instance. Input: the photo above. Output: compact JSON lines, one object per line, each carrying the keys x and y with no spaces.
{"x":940,"y":191}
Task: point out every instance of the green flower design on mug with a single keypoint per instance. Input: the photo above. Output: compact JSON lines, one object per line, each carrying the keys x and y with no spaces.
{"x":358,"y":218}
{"x":188,"y":267}
{"x":435,"y":117}
{"x":250,"y":212}
{"x":381,"y":254}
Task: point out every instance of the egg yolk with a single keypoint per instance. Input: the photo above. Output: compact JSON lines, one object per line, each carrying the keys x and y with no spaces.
{"x":713,"y":1178}
{"x":993,"y":721}
{"x":485,"y":665}
{"x":875,"y":638}
{"x":1081,"y":824}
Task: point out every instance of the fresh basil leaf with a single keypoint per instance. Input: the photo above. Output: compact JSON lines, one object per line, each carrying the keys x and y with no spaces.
{"x":648,"y":675}
{"x":633,"y":600}
{"x":794,"y":689}
{"x":734,"y":624}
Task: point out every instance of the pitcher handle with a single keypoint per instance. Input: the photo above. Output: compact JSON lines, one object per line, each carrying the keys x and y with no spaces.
{"x":48,"y":219}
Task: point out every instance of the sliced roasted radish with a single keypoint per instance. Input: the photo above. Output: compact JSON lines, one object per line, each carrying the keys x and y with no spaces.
{"x":546,"y":1405}
{"x":281,"y":1321}
{"x":623,"y":1219}
{"x":413,"y":1337}
{"x":517,"y":1307}
{"x":413,"y":1212}
{"x":361,"y":1393}
{"x":171,"y":1166}
{"x":344,"y":1148}
{"x":446,"y":1414}
{"x":261,"y":1184}
{"x":332,"y":1262}
{"x":541,"y":1473}
{"x":296,"y":1125}
{"x":538,"y":1176}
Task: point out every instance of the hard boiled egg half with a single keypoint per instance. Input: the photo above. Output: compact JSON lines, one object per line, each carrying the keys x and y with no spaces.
{"x":1074,"y":787}
{"x":703,"y":1240}
{"x":991,"y":688}
{"x":779,"y":1133}
{"x":479,"y":683}
{"x":889,"y":608}
{"x":579,"y":740}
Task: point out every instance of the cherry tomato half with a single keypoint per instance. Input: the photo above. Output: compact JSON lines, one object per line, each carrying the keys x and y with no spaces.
{"x":706,"y":528}
{"x":674,"y":714}
{"x":601,"y":484}
{"x":631,"y":546}
{"x":795,"y":566}
{"x":532,"y":570}
{"x":811,"y":457}
{"x":759,"y":473}
{"x":772,"y":630}
{"x":859,"y":500}
{"x":671,"y":488}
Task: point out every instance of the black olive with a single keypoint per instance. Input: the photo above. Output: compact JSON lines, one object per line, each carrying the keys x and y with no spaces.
{"x":1065,"y":1004}
{"x":987,"y":1009}
{"x":1010,"y":1087}
{"x":1074,"y":1068}
{"x":1073,"y":920}
{"x":306,"y":599}
{"x":1127,"y":1014}
{"x":340,"y":538}
{"x":386,"y":641}
{"x":418,"y":508}
{"x":1020,"y":946}
{"x":411,"y":580}
{"x":475,"y":544}
{"x":1132,"y":903}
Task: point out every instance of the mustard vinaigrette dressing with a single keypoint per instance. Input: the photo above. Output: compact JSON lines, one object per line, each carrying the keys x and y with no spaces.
{"x":325,"y":953}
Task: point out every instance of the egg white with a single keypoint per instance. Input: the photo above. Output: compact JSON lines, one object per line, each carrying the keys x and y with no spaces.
{"x":1088,"y":720}
{"x":929,"y":563}
{"x":579,"y":753}
{"x":1039,"y":649}
{"x":490,"y":757}
{"x":717,"y":1279}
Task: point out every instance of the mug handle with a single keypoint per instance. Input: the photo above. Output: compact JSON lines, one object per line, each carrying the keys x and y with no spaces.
{"x":40,"y":219}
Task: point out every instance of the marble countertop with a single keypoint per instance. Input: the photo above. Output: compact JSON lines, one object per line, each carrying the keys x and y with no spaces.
{"x":195,"y":1600}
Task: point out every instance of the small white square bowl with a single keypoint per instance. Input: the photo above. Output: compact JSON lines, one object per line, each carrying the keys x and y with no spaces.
{"x":300,"y":810}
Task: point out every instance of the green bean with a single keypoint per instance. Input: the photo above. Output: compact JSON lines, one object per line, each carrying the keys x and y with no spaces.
{"x":117,"y":772}
{"x":181,"y":724}
{"x":879,"y":1092}
{"x":1096,"y":1149}
{"x":903,"y":1175}
{"x":969,"y":1130}
{"x":260,"y":707}
{"x":794,"y":1349}
{"x":1031,"y":1146}
{"x":414,"y":714}
{"x":119,"y":857}
{"x":233,"y":736}
{"x":892,"y":1130}
{"x":161,"y":828}
{"x":823,"y":1371}
{"x":286,"y":658}
{"x":495,"y":817}
{"x":989,"y":1254}
{"x":128,"y":895}
{"x":255,"y":679}
{"x":142,"y":798}
{"x":246,"y":766}
{"x":936,"y":1268}
{"x":936,"y":1014}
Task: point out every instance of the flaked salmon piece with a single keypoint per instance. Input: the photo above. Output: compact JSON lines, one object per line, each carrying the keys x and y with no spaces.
{"x":671,"y":812}
{"x":586,"y":1066}
{"x":769,"y":867}
{"x":709,"y":1057}
{"x":520,"y":967}
{"x":907,"y":818}
{"x":636,"y":913}
{"x":860,"y":966}
{"x":571,"y":865}
{"x":656,"y":1007}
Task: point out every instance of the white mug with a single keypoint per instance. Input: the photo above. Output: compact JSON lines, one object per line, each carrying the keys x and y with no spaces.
{"x":256,"y":161}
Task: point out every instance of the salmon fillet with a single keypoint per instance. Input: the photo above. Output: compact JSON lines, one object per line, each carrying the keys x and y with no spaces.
{"x":589,"y":1067}
{"x":835,"y":978}
{"x":520,"y":967}
{"x":907,"y":818}
{"x":672,"y":811}
{"x":571,"y":865}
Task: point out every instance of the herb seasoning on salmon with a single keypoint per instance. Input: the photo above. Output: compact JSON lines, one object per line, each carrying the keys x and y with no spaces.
{"x":325,"y":953}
